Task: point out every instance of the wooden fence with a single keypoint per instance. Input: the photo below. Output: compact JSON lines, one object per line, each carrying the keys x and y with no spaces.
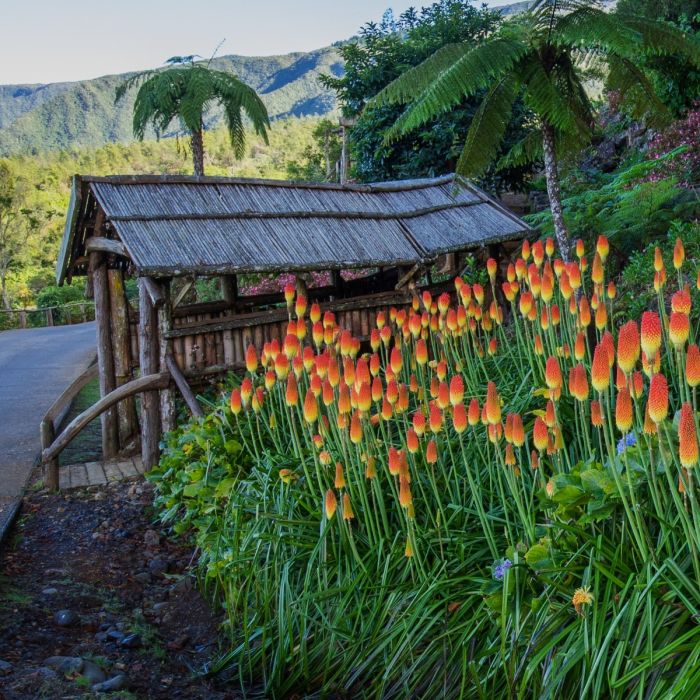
{"x":63,"y":315}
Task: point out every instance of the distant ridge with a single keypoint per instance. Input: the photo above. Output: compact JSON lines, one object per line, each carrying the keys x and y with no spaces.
{"x":56,"y":116}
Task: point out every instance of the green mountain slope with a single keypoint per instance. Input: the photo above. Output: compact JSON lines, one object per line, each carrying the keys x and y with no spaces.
{"x":37,"y":118}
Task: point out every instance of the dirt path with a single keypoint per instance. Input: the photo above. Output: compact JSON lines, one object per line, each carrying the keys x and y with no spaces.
{"x":85,"y":576}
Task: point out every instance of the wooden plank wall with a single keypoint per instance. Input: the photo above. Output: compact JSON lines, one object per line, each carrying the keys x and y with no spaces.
{"x":208,"y":343}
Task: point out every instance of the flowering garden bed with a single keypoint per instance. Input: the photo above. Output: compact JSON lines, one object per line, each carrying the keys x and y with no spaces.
{"x":497,"y":499}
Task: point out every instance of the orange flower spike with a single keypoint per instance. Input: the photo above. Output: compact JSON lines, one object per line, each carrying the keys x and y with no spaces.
{"x":628,"y":346}
{"x":580,"y":346}
{"x":540,"y":435}
{"x":574,"y":272}
{"x":550,"y":417}
{"x":405,"y":497}
{"x":435,"y":420}
{"x":637,"y":385}
{"x":459,"y":418}
{"x":331,"y":504}
{"x":651,"y":366}
{"x":291,"y":396}
{"x":651,"y":333}
{"x":549,"y":247}
{"x":624,"y":414}
{"x":478,"y":292}
{"x":697,"y":280}
{"x":431,"y":452}
{"x":552,"y":373}
{"x":678,"y":329}
{"x":692,"y":366}
{"x":539,"y":348}
{"x":289,"y":292}
{"x":538,"y":253}
{"x":348,"y":513}
{"x":474,"y":412}
{"x":327,"y":393}
{"x":491,"y":268}
{"x":456,"y":390}
{"x":609,"y":344}
{"x":584,"y":312}
{"x":251,"y":359}
{"x":600,"y":369}
{"x":649,"y":426}
{"x":596,"y":414}
{"x":509,"y":457}
{"x":310,"y":408}
{"x":493,"y":404}
{"x":355,"y":429}
{"x":687,"y":438}
{"x":580,"y":248}
{"x":493,"y":347}
{"x":396,"y":360}
{"x":443,"y":397}
{"x":236,"y":402}
{"x":392,"y":392}
{"x":681,"y":301}
{"x":678,"y":254}
{"x":412,"y":441}
{"x":508,"y":429}
{"x":394,"y":461}
{"x":620,"y":379}
{"x":597,"y":271}
{"x":601,"y":317}
{"x":526,"y":250}
{"x":518,"y":430}
{"x":658,"y":260}
{"x":657,"y":403}
{"x":602,"y":247}
{"x":339,"y":476}
{"x":246,"y":390}
{"x":344,"y":402}
{"x":547,"y":288}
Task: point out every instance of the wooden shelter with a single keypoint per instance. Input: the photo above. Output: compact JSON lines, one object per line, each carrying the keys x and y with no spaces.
{"x":160,"y":228}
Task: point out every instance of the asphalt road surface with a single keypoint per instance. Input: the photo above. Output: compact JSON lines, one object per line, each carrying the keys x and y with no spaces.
{"x":36,"y":365}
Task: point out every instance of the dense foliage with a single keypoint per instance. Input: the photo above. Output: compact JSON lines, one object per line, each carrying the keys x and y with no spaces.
{"x":41,"y":186}
{"x":477,"y":507}
{"x":382,"y":53}
{"x":543,"y":57}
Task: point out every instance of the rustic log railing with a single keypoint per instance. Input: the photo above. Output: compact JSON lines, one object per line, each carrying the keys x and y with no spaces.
{"x":47,"y":316}
{"x":55,"y":416}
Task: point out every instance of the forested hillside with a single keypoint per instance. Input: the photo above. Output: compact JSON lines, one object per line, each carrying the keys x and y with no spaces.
{"x":40,"y":118}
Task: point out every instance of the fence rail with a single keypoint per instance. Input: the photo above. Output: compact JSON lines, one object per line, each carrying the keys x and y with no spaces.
{"x":60,"y":315}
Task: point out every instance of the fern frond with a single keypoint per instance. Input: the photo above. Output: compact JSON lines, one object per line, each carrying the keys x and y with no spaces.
{"x":661,"y":38}
{"x":592,"y":27}
{"x":415,"y":80}
{"x":636,"y":90}
{"x":528,"y":150}
{"x":488,"y":127}
{"x":475,"y":70}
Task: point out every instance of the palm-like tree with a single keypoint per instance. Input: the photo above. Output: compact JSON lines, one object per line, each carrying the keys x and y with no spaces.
{"x":545,"y":55}
{"x":183,"y":92}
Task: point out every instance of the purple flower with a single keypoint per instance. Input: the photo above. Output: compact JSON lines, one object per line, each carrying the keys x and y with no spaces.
{"x":499,"y":569}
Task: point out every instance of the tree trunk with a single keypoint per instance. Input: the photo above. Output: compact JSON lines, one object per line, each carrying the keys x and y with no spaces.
{"x":5,"y":295}
{"x":198,"y":152}
{"x":551,"y":171}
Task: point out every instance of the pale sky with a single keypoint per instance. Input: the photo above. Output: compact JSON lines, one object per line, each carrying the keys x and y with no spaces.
{"x":44,"y":41}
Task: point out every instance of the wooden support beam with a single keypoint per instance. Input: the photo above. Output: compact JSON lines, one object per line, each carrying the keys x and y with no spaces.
{"x":148,"y":361}
{"x":154,"y":291}
{"x":121,"y":347}
{"x":229,"y":290}
{"x":106,"y":403}
{"x":165,"y":325}
{"x":184,"y":387}
{"x":105,"y":357}
{"x":407,"y":277}
{"x":97,"y":244}
{"x":48,"y":435}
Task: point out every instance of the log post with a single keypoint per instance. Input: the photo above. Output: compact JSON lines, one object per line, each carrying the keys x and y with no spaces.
{"x":48,"y":435}
{"x":105,"y":357}
{"x":22,"y":319}
{"x":229,"y":290}
{"x":121,"y":344}
{"x":165,"y":324}
{"x":148,"y":360}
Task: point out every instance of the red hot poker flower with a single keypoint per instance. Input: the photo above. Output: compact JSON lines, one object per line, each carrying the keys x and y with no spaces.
{"x":657,"y":403}
{"x":628,"y":347}
{"x":651,"y":333}
{"x":687,"y":438}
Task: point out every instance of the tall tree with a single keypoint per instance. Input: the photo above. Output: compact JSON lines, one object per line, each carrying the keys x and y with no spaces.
{"x":183,"y":92}
{"x":17,"y":223}
{"x":541,"y":55}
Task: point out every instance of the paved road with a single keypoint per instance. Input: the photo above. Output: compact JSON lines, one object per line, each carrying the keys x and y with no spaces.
{"x":36,"y":365}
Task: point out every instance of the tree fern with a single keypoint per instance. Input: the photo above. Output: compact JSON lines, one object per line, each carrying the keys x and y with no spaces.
{"x":183,"y":93}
